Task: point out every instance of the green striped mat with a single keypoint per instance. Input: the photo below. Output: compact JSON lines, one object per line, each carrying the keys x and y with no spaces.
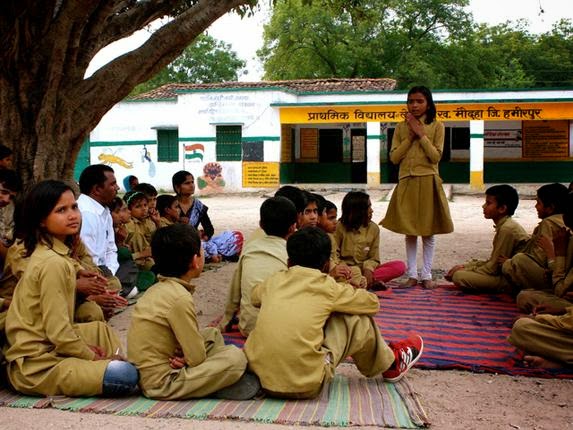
{"x":345,"y":402}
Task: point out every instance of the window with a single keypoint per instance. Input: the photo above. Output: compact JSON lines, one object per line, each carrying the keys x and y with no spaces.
{"x":229,"y":143}
{"x":168,"y":145}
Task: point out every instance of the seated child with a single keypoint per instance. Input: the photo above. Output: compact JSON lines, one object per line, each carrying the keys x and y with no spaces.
{"x":358,"y":241}
{"x":309,"y":323}
{"x":10,"y":186}
{"x":530,"y":267}
{"x":48,"y":354}
{"x":309,"y":217}
{"x":128,"y":270}
{"x":138,"y":230}
{"x":168,"y":209}
{"x":260,"y":259}
{"x":153,"y":218}
{"x":559,"y":251}
{"x":327,"y":221}
{"x":176,"y":359}
{"x":485,"y":276}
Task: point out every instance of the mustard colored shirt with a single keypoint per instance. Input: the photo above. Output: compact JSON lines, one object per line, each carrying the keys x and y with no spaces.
{"x":285,"y":348}
{"x":419,"y":157}
{"x":359,"y":247}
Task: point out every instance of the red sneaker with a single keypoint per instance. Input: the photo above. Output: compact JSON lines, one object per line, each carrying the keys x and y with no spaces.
{"x":406,"y":353}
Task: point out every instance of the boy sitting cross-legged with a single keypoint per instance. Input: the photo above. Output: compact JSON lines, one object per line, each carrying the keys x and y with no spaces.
{"x":175,"y":359}
{"x":485,"y":276}
{"x":308,"y":323}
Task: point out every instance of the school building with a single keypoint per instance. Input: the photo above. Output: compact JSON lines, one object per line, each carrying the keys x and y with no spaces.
{"x":244,"y":136}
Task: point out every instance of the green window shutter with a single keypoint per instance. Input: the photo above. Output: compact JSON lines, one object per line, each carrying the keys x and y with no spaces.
{"x":229,"y":143}
{"x":168,"y":145}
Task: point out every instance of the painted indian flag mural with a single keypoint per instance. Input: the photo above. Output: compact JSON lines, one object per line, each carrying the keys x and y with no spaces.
{"x":194,"y":151}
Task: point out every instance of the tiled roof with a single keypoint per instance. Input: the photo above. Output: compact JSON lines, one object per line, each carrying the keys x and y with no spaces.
{"x":300,"y":86}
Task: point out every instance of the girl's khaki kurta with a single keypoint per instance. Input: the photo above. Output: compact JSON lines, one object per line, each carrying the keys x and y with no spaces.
{"x":47,"y":354}
{"x":418,"y":206}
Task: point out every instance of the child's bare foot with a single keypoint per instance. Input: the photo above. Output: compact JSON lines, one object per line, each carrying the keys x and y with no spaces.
{"x":540,"y":362}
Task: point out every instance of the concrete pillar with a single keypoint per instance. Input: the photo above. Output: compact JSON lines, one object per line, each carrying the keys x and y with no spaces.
{"x":373,"y":153}
{"x":476,"y":155}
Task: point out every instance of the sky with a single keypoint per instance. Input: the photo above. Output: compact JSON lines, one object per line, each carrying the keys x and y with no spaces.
{"x":245,"y":35}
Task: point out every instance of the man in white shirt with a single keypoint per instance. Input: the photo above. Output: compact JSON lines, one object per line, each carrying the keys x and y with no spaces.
{"x":98,"y":188}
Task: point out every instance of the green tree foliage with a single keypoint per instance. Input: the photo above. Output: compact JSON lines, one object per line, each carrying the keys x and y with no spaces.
{"x":205,"y":60}
{"x":435,"y":43}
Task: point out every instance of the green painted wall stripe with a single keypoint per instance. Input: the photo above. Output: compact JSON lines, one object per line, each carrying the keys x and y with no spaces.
{"x":167,"y":99}
{"x":476,"y":135}
{"x":376,"y":136}
{"x":124,"y":142}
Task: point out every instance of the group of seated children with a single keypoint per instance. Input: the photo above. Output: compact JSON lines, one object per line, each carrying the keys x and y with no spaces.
{"x":50,"y":353}
{"x":538,"y":269}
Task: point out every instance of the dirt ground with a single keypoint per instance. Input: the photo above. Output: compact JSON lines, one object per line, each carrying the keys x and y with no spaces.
{"x":452,"y":399}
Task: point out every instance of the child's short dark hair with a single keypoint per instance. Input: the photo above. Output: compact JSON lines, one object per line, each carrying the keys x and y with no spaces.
{"x":505,"y":195}
{"x":553,"y":195}
{"x":10,"y":180}
{"x":355,"y":210}
{"x":173,"y":248}
{"x":309,"y":247}
{"x":328,"y":205}
{"x":277,"y":214}
{"x":164,"y":201}
{"x":295,"y":195}
{"x":320,"y":202}
{"x":133,"y":197}
{"x":116,"y":203}
{"x":147,"y":189}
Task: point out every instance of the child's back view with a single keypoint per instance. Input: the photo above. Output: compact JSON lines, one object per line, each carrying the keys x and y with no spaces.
{"x":260,"y":258}
{"x":308,"y":323}
{"x":529,"y":268}
{"x":485,"y":276}
{"x":175,"y":359}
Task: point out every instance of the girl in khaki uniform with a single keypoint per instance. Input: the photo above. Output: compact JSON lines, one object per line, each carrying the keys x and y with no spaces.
{"x":418,"y":206}
{"x":358,"y":242}
{"x":47,"y":353}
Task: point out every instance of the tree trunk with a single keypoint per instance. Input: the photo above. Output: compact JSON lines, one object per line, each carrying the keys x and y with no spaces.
{"x":47,"y":106}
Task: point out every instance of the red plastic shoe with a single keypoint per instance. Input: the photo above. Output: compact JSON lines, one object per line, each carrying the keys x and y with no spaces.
{"x":406,"y":353}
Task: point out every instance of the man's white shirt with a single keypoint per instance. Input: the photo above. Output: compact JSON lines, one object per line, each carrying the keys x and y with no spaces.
{"x":97,"y":232}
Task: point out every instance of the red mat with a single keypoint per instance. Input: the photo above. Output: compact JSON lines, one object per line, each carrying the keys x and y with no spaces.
{"x":460,"y":331}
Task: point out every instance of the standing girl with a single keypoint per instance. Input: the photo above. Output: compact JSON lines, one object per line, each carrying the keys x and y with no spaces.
{"x":358,"y":241}
{"x":47,"y":353}
{"x":418,"y":206}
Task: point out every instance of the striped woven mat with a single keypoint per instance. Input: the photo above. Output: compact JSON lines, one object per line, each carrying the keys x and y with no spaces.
{"x":460,"y":331}
{"x":345,"y":402}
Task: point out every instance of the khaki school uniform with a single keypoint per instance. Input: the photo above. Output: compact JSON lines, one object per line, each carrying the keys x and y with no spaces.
{"x":150,"y":228}
{"x":165,"y":222}
{"x":529,"y":268}
{"x":486,"y":276}
{"x":256,"y":234}
{"x":359,"y":247}
{"x":164,"y":320}
{"x":418,"y":206}
{"x":308,"y":323}
{"x":562,"y":280}
{"x":260,"y":259}
{"x":47,"y":353}
{"x":137,"y":240}
{"x":548,"y":336}
{"x":356,"y":277}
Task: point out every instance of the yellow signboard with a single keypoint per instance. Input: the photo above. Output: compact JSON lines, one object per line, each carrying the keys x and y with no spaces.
{"x":545,"y":139}
{"x":446,"y":112}
{"x":260,"y":175}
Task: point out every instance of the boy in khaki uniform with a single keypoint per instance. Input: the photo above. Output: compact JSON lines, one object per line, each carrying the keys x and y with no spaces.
{"x":530,"y":267}
{"x":559,"y":252}
{"x":260,"y":259}
{"x":546,"y":335}
{"x":139,"y":230}
{"x":176,"y":359}
{"x":485,"y":276}
{"x":308,"y":323}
